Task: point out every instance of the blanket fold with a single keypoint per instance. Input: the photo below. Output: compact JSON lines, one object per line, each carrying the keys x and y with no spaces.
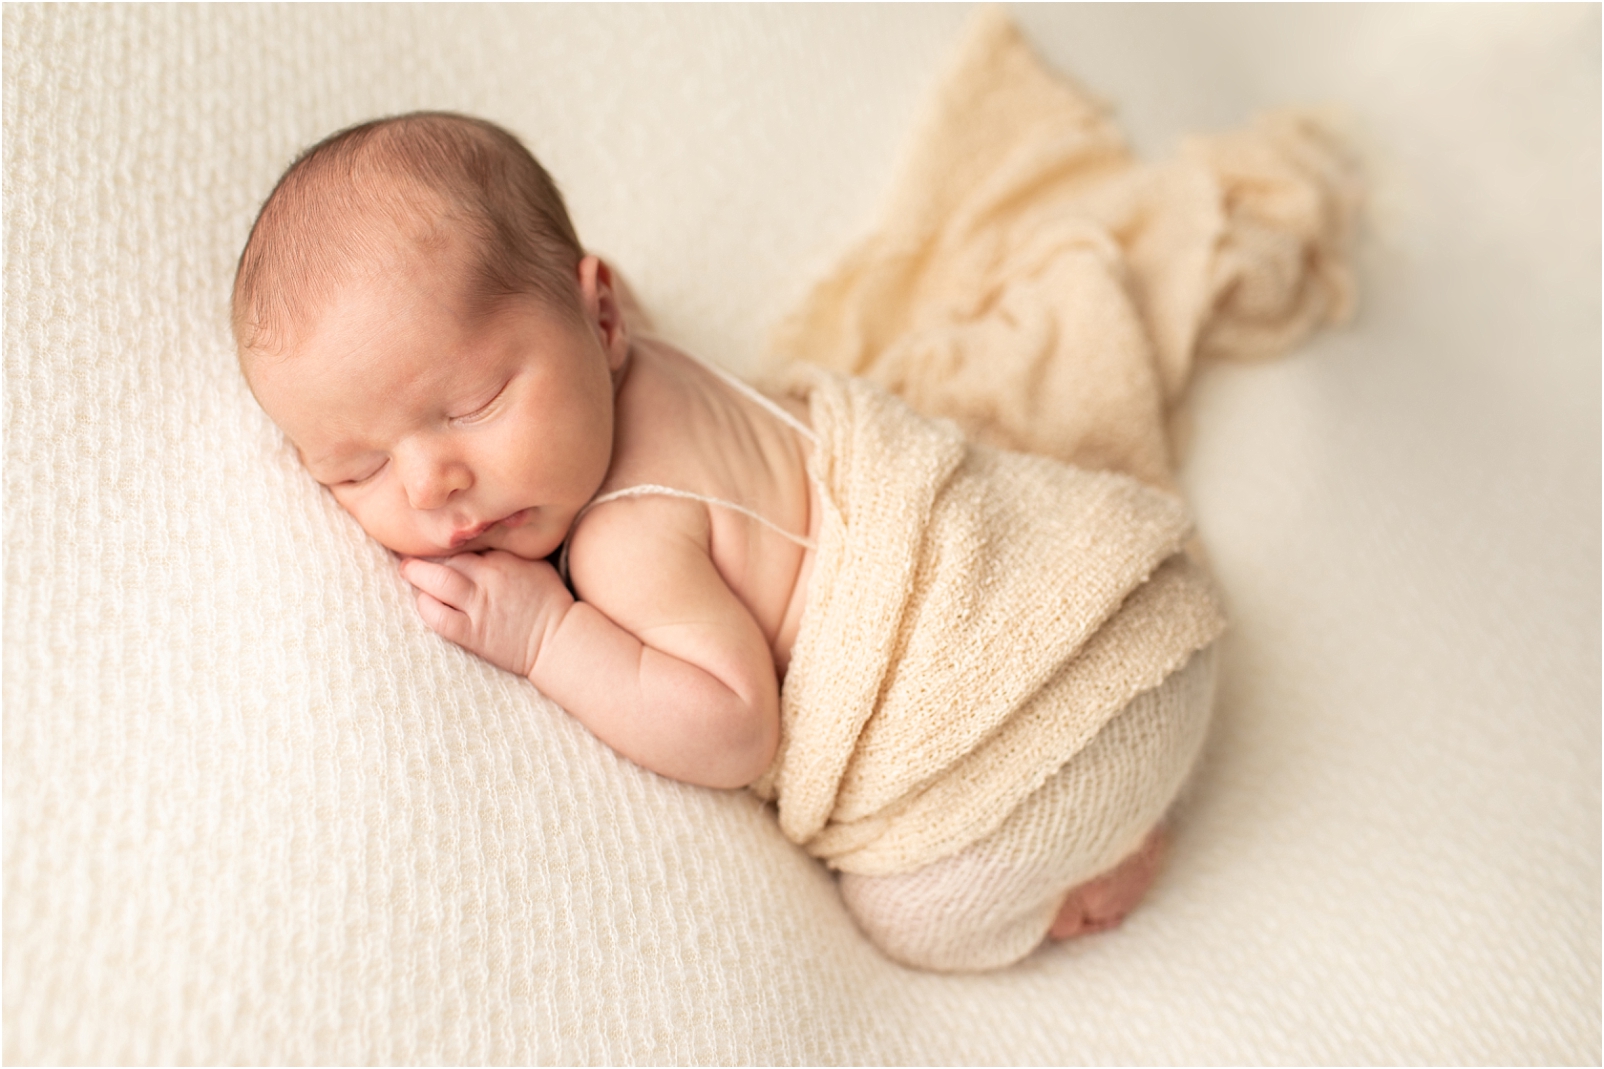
{"x":974,"y":618}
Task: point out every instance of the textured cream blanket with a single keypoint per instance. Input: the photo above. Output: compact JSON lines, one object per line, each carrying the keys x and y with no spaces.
{"x":256,"y":813}
{"x":974,"y":617}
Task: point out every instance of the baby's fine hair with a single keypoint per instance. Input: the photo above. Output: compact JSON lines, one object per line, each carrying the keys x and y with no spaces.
{"x":344,"y":198}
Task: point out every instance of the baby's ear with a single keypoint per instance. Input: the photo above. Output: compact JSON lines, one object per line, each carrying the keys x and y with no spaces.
{"x":604,"y":308}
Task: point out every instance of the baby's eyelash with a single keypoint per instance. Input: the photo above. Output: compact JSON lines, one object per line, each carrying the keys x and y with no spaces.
{"x":362,"y":479}
{"x":482,"y":409}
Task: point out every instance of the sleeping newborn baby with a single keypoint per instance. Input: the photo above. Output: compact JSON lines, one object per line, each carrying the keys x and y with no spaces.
{"x":656,"y":545}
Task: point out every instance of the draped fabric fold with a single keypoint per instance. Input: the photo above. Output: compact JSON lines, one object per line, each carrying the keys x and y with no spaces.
{"x":974,"y":617}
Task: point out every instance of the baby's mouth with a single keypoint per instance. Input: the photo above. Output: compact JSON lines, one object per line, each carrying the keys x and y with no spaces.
{"x":517,"y":519}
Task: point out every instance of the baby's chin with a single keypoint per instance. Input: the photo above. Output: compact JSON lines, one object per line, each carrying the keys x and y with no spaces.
{"x":525,"y":542}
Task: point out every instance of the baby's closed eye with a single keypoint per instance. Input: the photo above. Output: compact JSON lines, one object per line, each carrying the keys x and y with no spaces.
{"x":358,"y":480}
{"x":481,"y":410}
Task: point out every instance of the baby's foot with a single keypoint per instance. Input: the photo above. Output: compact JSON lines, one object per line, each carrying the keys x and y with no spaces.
{"x":1103,"y":902}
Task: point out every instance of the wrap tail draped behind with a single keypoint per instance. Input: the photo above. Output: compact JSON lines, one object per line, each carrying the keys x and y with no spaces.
{"x":1031,"y":280}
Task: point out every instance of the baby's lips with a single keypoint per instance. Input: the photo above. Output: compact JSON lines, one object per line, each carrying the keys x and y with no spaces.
{"x":469,"y":534}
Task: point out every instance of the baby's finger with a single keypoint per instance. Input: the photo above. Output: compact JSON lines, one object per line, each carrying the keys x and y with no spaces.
{"x":442,"y":619}
{"x":442,"y":581}
{"x":487,"y":572}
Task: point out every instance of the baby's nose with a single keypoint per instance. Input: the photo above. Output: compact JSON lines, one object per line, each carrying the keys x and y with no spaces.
{"x":432,"y":483}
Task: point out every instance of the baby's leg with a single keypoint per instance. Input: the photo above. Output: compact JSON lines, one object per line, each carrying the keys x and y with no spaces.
{"x":1087,"y":829}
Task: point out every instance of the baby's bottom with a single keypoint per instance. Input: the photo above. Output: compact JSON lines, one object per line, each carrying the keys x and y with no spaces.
{"x":995,"y":901}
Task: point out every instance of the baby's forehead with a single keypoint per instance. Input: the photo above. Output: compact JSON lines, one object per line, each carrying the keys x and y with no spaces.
{"x":385,"y":275}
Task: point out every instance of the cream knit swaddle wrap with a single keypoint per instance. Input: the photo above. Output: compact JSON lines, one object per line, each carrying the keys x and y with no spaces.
{"x":976,"y":619}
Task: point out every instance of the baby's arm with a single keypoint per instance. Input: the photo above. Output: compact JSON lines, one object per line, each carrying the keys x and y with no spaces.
{"x":675,"y":674}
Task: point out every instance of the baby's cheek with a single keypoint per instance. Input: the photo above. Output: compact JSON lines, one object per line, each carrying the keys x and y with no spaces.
{"x":388,"y":529}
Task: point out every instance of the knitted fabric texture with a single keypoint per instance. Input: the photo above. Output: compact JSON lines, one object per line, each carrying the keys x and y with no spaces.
{"x":974,"y":618}
{"x":1032,"y":281}
{"x":992,"y":903}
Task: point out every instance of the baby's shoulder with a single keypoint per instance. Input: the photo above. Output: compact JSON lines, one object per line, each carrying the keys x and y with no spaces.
{"x":645,"y":561}
{"x":623,"y":539}
{"x":633,"y":521}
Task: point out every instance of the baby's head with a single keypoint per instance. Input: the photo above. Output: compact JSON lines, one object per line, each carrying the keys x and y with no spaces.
{"x":414,"y":310}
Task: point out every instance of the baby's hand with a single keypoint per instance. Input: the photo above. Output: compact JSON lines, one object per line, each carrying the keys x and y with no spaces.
{"x":494,"y":604}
